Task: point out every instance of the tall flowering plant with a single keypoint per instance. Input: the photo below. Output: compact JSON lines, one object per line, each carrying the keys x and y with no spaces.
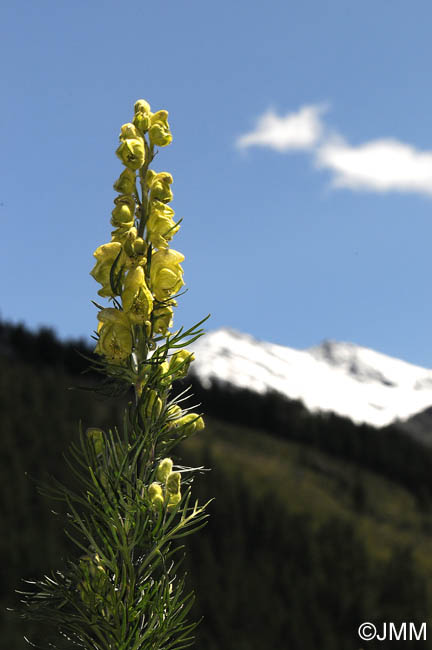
{"x":134,"y":505}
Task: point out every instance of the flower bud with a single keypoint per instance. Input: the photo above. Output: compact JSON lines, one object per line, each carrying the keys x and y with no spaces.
{"x":189,"y":423}
{"x":174,"y":413}
{"x":180,"y":363}
{"x":155,"y":494}
{"x":164,"y":469}
{"x":162,"y":373}
{"x":135,"y":249}
{"x":159,"y":132}
{"x":173,"y":501}
{"x":152,"y":406}
{"x":141,"y":106}
{"x":97,"y":439}
{"x":173,"y":483}
{"x":142,"y":115}
{"x":162,"y":319}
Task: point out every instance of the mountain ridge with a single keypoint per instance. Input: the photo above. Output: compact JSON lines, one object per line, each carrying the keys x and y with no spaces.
{"x":340,"y":377}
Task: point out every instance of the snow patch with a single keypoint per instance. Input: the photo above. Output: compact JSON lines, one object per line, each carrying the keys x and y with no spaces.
{"x":343,"y":378}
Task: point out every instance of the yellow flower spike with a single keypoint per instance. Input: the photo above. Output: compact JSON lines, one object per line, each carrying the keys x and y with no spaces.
{"x":164,"y":469}
{"x":180,"y":363}
{"x":153,"y":405}
{"x":129,"y":132}
{"x":115,"y":337}
{"x":136,"y":298}
{"x":155,"y":494}
{"x":142,"y":115}
{"x":160,"y":225}
{"x":159,"y":132}
{"x":132,"y":153}
{"x":159,"y":185}
{"x":125,"y":184}
{"x":162,"y":319}
{"x":105,"y":257}
{"x":173,"y":483}
{"x":166,"y":274}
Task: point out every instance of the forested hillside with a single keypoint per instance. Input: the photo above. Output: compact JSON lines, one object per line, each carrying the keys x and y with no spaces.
{"x":316,"y":526}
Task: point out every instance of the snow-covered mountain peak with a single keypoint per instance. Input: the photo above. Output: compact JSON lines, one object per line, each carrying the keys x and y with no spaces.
{"x":345,"y":378}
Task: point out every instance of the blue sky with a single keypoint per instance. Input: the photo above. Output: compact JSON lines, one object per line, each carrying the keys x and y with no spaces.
{"x":302,"y":161}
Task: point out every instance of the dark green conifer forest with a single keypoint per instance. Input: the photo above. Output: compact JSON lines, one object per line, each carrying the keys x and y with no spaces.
{"x":317,"y":524}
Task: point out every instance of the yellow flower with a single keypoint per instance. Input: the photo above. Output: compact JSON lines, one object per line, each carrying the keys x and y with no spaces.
{"x":166,"y":274}
{"x":180,"y":363}
{"x":132,"y":153}
{"x":160,"y":225}
{"x":124,"y":211}
{"x":159,"y":185}
{"x":164,"y":469}
{"x":136,"y":297}
{"x":162,"y":318}
{"x":142,"y":115}
{"x":115,"y":337}
{"x":105,"y":257}
{"x":125,"y":184}
{"x":159,"y":131}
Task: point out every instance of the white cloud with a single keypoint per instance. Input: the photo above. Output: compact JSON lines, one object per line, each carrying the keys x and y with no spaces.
{"x":300,"y":130}
{"x":380,"y":165}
